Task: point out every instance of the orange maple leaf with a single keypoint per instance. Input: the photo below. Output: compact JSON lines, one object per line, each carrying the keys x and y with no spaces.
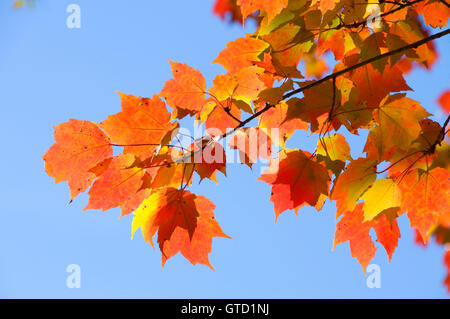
{"x":79,"y":146}
{"x":141,"y":126}
{"x":444,"y":101}
{"x":351,"y":227}
{"x":296,"y":180}
{"x":252,"y":143}
{"x":118,"y":183}
{"x":425,"y":197}
{"x":241,"y":53}
{"x":185,"y":223}
{"x":186,"y":91}
{"x":271,"y":7}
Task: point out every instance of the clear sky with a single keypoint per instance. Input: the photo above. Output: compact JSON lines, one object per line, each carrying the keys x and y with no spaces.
{"x":49,"y":74}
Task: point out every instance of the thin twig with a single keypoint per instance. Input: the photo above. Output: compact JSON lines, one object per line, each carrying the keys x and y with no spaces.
{"x":445,"y":3}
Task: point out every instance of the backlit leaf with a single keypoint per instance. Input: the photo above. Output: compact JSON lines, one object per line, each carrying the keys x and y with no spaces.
{"x":79,"y":146}
{"x":184,"y":222}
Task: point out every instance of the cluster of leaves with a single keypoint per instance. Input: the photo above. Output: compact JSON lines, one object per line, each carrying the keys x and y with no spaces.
{"x":404,"y":167}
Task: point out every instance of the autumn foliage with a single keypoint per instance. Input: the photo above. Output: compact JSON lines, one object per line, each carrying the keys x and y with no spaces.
{"x":328,"y":67}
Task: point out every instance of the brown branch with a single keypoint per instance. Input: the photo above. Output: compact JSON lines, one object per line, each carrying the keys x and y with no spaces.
{"x":398,"y":161}
{"x":373,"y":59}
{"x":440,"y":138}
{"x":445,"y":123}
{"x":445,"y":3}
{"x":330,"y":114}
{"x":339,"y":73}
{"x":331,"y":77}
{"x":228,"y":111}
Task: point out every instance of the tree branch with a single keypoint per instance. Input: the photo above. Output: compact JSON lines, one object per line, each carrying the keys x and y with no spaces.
{"x":373,"y":59}
{"x":339,"y":73}
{"x":445,"y":3}
{"x":441,"y":135}
{"x":332,"y":77}
{"x":445,"y":123}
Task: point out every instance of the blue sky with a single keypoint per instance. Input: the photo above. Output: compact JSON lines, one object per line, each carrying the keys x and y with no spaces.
{"x":49,"y":74}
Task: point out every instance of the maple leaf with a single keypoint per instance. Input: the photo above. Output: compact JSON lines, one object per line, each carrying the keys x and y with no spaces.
{"x":241,"y":53}
{"x":219,"y":116}
{"x":252,"y":142}
{"x":335,"y":147}
{"x":442,"y":156}
{"x":276,"y":124}
{"x":118,"y":183}
{"x":261,"y":85}
{"x":315,"y":67}
{"x":186,"y":91}
{"x":444,"y":101}
{"x":249,"y":84}
{"x":248,"y":7}
{"x":133,"y":202}
{"x":244,"y":85}
{"x":276,"y":70}
{"x":171,"y":173}
{"x":288,"y":43}
{"x":222,"y":7}
{"x":324,"y":5}
{"x":359,"y":175}
{"x":296,"y":180}
{"x":403,"y":162}
{"x":352,"y":113}
{"x":271,"y":7}
{"x":339,"y":42}
{"x":418,"y":239}
{"x":135,"y":199}
{"x":224,"y":86}
{"x":352,"y":228}
{"x":273,"y":95}
{"x":184,"y":222}
{"x":372,"y":47}
{"x":388,"y":233}
{"x":141,"y":126}
{"x":316,"y":102}
{"x":435,"y":13}
{"x":425,"y":198}
{"x":383,"y":194}
{"x":334,"y":151}
{"x":410,"y":30}
{"x":208,"y":157}
{"x":430,"y":134}
{"x":398,"y":125}
{"x":79,"y":146}
{"x":367,"y":79}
